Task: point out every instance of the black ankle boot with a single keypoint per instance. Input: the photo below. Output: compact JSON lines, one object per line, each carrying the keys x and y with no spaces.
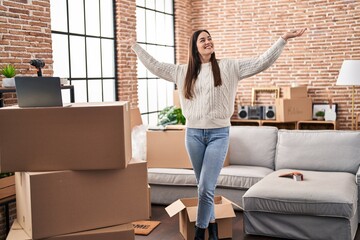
{"x":213,"y":231}
{"x":199,"y":233}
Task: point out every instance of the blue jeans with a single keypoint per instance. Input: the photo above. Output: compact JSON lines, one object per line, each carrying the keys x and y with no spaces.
{"x":207,"y":149}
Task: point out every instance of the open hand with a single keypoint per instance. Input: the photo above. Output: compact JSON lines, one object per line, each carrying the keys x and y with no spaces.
{"x":293,"y":34}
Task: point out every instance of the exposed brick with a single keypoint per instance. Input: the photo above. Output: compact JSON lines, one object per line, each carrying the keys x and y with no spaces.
{"x":240,"y":29}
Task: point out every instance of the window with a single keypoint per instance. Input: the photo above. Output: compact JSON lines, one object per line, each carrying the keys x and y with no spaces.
{"x":84,"y":47}
{"x":155,"y":33}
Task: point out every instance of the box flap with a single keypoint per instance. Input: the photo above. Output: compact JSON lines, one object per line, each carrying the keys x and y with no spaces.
{"x":135,"y":117}
{"x":175,"y":207}
{"x":192,"y":213}
{"x":232,"y":203}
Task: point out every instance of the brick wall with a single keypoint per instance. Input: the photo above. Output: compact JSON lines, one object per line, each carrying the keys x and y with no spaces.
{"x":126,"y":58}
{"x":239,"y":28}
{"x":25,"y":34}
{"x":247,"y":28}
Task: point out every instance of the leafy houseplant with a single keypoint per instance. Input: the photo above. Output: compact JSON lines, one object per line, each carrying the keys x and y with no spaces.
{"x":9,"y":71}
{"x":171,"y":116}
{"x":320,"y":115}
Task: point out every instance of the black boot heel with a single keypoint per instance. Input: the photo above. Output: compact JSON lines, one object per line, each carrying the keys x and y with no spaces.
{"x":213,"y":231}
{"x":199,"y":233}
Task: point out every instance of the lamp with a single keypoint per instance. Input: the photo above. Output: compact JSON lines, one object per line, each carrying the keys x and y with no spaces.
{"x":350,"y":76}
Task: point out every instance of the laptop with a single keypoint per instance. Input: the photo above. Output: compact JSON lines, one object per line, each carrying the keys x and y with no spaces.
{"x":38,"y":91}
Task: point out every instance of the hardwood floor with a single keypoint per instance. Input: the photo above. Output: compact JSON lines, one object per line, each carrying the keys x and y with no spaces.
{"x":169,"y":227}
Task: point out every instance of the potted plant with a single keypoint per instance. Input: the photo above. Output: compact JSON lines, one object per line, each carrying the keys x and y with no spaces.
{"x":320,"y":115}
{"x":9,"y":71}
{"x":171,"y":116}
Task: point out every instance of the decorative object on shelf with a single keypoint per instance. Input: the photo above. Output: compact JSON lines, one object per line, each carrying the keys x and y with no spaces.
{"x":255,"y":90}
{"x":326,"y":108}
{"x":330,"y":114}
{"x":9,"y":71}
{"x":320,"y":115}
{"x":350,"y":76}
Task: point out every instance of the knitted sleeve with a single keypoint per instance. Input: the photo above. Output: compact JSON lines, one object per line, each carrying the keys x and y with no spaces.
{"x":165,"y":71}
{"x":249,"y":67}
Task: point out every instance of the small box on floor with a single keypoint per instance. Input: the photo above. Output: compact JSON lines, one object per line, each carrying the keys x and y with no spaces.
{"x":56,"y":203}
{"x":187,"y":209}
{"x":83,"y":136}
{"x":123,"y":232}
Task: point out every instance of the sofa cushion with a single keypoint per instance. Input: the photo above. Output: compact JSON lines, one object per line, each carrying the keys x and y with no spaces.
{"x":318,"y":150}
{"x":238,"y":177}
{"x":253,"y":146}
{"x":332,"y":194}
{"x":171,"y":176}
{"x":241,"y":177}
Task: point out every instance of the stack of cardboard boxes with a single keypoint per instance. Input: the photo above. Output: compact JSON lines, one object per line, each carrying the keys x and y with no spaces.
{"x":75,"y":176}
{"x":294,"y":106}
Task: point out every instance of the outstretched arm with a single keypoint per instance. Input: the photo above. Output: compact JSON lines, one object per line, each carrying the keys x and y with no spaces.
{"x":249,"y":67}
{"x":165,"y":71}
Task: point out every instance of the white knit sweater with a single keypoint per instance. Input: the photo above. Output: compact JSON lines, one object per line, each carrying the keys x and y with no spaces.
{"x":211,"y":107}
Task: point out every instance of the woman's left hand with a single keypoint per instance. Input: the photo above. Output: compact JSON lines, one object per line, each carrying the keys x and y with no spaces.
{"x":293,"y":34}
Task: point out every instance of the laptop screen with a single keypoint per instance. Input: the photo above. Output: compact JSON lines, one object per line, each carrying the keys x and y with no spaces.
{"x":38,"y":91}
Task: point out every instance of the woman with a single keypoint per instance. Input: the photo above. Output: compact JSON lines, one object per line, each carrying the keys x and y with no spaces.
{"x":207,"y":89}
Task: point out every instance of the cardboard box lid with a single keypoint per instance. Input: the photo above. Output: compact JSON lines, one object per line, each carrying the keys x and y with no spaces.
{"x":135,"y":117}
{"x":223,"y":208}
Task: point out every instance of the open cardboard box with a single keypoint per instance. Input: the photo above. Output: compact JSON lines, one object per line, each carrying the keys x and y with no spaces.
{"x":83,"y":136}
{"x":187,"y":210}
{"x":123,"y":232}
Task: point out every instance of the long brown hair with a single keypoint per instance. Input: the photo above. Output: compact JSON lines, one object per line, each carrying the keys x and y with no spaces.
{"x":194,"y":66}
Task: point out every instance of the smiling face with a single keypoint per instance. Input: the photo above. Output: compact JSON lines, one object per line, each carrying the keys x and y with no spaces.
{"x":205,"y":46}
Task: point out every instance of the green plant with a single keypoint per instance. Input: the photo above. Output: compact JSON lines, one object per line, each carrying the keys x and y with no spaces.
{"x":320,"y":114}
{"x":171,"y":116}
{"x":4,"y":175}
{"x":9,"y":71}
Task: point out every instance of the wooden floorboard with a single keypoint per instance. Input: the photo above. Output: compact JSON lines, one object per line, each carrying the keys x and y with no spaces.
{"x":169,"y":227}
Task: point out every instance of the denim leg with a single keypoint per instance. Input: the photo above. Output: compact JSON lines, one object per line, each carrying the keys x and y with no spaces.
{"x":207,"y":154}
{"x":195,"y":146}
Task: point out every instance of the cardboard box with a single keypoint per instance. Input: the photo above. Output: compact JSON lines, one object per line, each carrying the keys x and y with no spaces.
{"x":295,"y":92}
{"x":297,"y":109}
{"x":187,"y":210}
{"x":123,"y":232}
{"x":166,"y":149}
{"x":149,"y":200}
{"x":56,"y":203}
{"x":80,"y":137}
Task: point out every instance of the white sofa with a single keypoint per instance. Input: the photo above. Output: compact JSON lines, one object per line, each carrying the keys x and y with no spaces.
{"x":323,"y":206}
